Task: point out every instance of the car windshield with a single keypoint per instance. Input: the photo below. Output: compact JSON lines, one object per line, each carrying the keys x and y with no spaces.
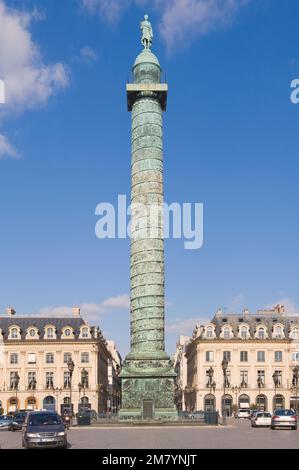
{"x":20,"y":416}
{"x":5,"y":418}
{"x":284,"y":413}
{"x":44,"y":420}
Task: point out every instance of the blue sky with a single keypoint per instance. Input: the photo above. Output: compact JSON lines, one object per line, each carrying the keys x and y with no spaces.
{"x":231,"y":142}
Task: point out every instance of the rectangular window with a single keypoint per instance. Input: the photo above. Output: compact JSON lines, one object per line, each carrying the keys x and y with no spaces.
{"x":31,"y":358}
{"x":14,"y":358}
{"x":209,"y":356}
{"x":261,"y":374}
{"x":14,"y":382}
{"x":244,"y":378}
{"x":243,"y":356}
{"x":49,"y":358}
{"x":66,"y":379}
{"x":67,"y":357}
{"x":278,"y":356}
{"x":261,"y":356}
{"x":227,"y":378}
{"x":226,"y":356}
{"x":295,"y":356}
{"x":31,"y":380}
{"x":49,"y":379}
{"x":279,"y":377}
{"x":85,"y":358}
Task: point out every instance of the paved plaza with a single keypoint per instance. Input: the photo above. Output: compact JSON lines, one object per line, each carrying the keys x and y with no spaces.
{"x":237,"y":435}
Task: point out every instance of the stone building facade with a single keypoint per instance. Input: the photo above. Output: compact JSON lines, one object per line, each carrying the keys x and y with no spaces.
{"x":34,"y":356}
{"x":180,"y":368}
{"x":114,"y":385}
{"x":262,"y":354}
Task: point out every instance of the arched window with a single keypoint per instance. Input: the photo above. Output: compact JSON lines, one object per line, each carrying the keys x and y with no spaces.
{"x":295,"y":333}
{"x":244,"y":332}
{"x":85,"y":332}
{"x":14,"y":333}
{"x":50,"y":333}
{"x":278,"y":332}
{"x":209,"y":332}
{"x":261,"y":333}
{"x":226,"y":333}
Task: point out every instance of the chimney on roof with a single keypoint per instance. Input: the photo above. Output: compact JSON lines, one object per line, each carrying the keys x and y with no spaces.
{"x":219,"y":312}
{"x":279,"y":309}
{"x":10,"y":312}
{"x":76,"y":311}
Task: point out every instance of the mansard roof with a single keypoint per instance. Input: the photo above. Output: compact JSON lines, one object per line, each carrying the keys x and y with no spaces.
{"x":254,"y":321}
{"x":40,"y":322}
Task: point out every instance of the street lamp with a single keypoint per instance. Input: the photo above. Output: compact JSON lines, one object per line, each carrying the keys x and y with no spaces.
{"x":57,"y":393}
{"x":16,"y":385}
{"x":276,"y":383}
{"x":32,"y":387}
{"x":71,"y":367}
{"x":236,"y":390}
{"x":211,"y":383}
{"x":224,"y":366}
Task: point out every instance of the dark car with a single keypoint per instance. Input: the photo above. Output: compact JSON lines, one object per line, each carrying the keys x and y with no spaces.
{"x":18,"y":421}
{"x":44,"y":429}
{"x":5,"y":421}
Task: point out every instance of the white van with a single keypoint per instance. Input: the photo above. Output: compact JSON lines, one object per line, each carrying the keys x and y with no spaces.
{"x":243,"y":413}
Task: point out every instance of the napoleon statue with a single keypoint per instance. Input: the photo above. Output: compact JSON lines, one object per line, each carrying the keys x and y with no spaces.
{"x":147,"y":33}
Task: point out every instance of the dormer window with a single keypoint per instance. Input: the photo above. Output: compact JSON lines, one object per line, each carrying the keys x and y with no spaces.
{"x":50,"y":333}
{"x":67,"y":333}
{"x":14,"y":333}
{"x":226,"y":333}
{"x":261,"y":333}
{"x":209,"y":332}
{"x":295,"y":333}
{"x":278,"y":332}
{"x":31,"y":333}
{"x":244,"y":332}
{"x":85,"y":333}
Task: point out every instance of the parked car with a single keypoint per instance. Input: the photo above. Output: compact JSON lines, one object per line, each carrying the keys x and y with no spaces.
{"x":261,"y":418}
{"x":44,"y":429}
{"x":18,"y":421}
{"x":283,"y":418}
{"x":5,"y":421}
{"x":243,"y":413}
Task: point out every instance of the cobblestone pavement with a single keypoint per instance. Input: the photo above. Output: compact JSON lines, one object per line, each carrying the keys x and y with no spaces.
{"x":237,"y":435}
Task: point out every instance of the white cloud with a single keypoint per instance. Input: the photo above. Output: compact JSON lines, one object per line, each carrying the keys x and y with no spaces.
{"x":108,"y":9}
{"x":236,"y":303}
{"x":185,"y":326}
{"x":86,"y":55}
{"x":29,"y":82}
{"x":289,"y":304}
{"x":6,"y":148}
{"x":182,"y":20}
{"x":91,"y":311}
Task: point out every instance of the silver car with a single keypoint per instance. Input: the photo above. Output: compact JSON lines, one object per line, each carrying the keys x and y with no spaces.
{"x":284,"y":419}
{"x":44,"y":429}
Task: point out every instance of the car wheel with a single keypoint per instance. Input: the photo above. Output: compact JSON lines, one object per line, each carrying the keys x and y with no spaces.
{"x":294,"y":428}
{"x":272,"y":427}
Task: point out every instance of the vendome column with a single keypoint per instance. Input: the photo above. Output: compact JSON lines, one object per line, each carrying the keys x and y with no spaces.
{"x":147,"y":376}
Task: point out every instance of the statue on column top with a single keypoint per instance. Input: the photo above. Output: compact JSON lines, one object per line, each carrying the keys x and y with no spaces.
{"x":147,"y":33}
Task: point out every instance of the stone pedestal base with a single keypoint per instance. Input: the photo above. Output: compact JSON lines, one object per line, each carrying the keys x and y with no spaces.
{"x":148,"y":395}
